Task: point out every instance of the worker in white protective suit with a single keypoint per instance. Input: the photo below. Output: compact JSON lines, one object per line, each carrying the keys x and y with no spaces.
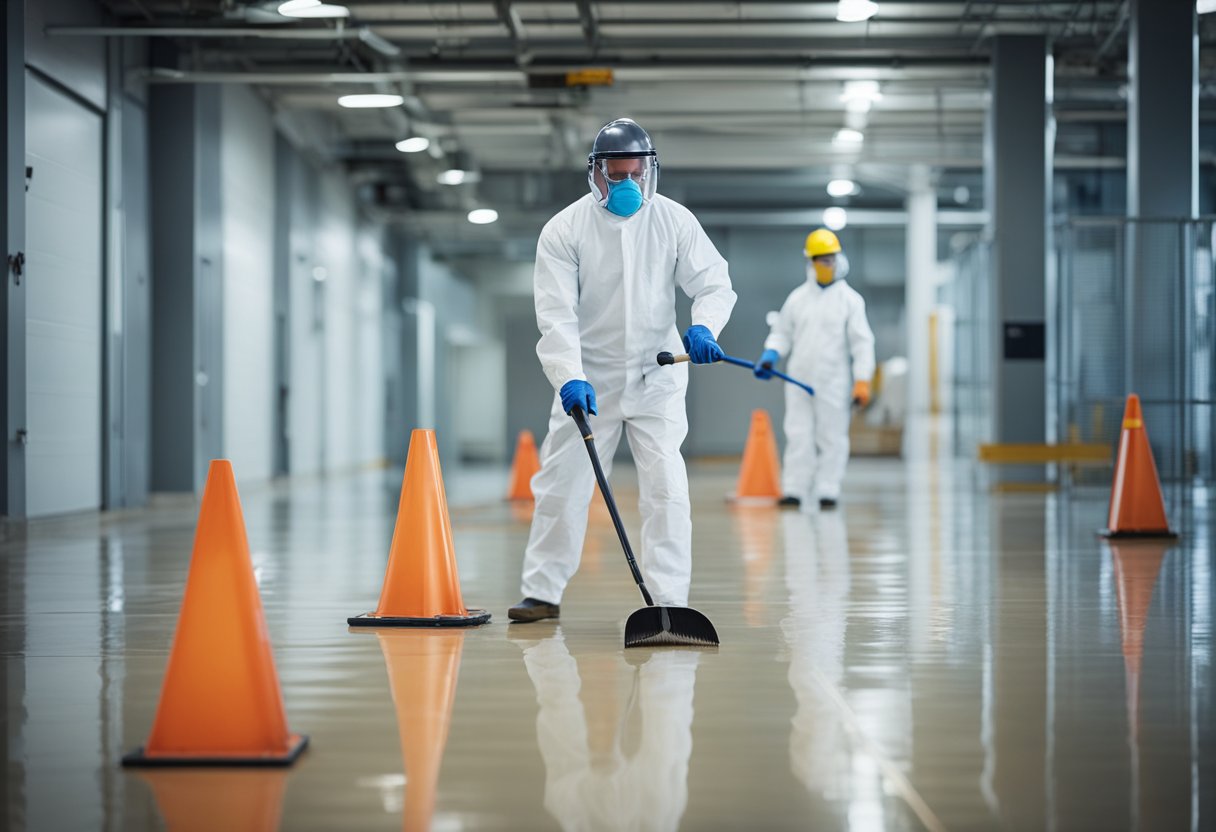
{"x":607,"y":268}
{"x":823,"y":331}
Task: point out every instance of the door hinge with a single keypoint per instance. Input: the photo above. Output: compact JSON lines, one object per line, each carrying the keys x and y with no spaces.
{"x":22,"y":437}
{"x":16,"y":265}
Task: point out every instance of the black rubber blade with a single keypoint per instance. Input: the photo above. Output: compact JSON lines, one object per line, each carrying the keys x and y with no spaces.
{"x":657,"y":626}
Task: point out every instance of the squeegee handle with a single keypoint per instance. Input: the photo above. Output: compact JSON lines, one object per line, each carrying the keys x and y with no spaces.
{"x":580,"y":419}
{"x":666,"y":358}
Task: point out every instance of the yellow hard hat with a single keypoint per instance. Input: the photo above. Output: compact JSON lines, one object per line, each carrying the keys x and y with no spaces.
{"x":821,"y":241}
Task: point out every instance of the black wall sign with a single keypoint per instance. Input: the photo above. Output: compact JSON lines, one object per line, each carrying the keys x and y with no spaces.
{"x":1025,"y":341}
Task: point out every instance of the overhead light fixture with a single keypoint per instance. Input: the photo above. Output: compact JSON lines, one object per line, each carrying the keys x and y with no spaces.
{"x":835,"y":217}
{"x":414,"y":144}
{"x":453,"y":176}
{"x":483,"y":216}
{"x":1206,"y":6}
{"x":855,"y":11}
{"x":312,"y":9}
{"x":859,"y":96}
{"x":842,"y":187}
{"x":370,"y":100}
{"x":848,"y":137}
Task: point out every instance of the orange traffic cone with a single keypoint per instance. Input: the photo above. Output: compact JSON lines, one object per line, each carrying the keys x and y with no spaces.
{"x":1136,"y":506}
{"x":760,"y":474}
{"x":221,"y":703}
{"x":235,"y":801}
{"x":422,"y":672}
{"x":525,"y":466}
{"x":421,"y":587}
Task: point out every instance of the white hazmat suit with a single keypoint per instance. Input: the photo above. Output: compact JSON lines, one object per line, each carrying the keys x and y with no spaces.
{"x":828,"y":341}
{"x":605,"y":306}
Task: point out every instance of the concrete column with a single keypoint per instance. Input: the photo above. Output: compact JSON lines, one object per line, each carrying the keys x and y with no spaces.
{"x":12,"y":295}
{"x":1162,"y":175}
{"x":921,"y":259}
{"x":1017,"y":168}
{"x":1163,"y":110}
{"x":187,"y":285}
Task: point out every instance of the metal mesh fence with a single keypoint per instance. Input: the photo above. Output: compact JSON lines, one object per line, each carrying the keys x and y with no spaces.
{"x":1134,"y":314}
{"x":969,"y":295}
{"x":1133,"y":311}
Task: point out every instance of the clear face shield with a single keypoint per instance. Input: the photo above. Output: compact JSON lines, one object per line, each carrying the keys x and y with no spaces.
{"x":622,"y":183}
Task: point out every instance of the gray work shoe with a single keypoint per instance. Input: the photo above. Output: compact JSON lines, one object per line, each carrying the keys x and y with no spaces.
{"x":530,"y":609}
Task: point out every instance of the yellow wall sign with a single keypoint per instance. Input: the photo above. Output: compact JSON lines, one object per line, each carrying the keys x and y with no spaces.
{"x":589,"y":78}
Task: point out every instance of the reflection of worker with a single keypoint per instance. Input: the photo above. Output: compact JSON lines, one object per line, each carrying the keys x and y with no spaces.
{"x":817,"y":577}
{"x":607,"y":268}
{"x":822,"y":328}
{"x":641,"y":780}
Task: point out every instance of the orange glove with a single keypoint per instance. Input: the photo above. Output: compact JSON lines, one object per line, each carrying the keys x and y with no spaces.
{"x":861,"y":393}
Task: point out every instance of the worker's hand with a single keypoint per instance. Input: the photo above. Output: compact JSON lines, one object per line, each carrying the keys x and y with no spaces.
{"x":578,"y":393}
{"x":701,"y":346}
{"x":861,"y":393}
{"x":763,"y":368}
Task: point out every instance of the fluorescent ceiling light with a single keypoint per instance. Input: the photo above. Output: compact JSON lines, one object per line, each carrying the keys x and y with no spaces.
{"x":312,"y":9}
{"x":453,"y":176}
{"x":415,"y":144}
{"x":861,"y":90}
{"x":848,"y":137}
{"x":483,"y":216}
{"x":369,"y":100}
{"x":855,"y":11}
{"x":835,"y":217}
{"x":842,"y":187}
{"x":1206,"y":6}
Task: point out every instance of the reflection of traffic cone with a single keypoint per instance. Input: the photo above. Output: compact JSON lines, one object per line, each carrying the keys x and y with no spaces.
{"x":525,"y":466}
{"x":1136,"y":568}
{"x":201,"y":801}
{"x":221,"y":703}
{"x":756,"y":526}
{"x":1136,"y":506}
{"x":422,"y":672}
{"x":421,"y":587}
{"x":760,"y":474}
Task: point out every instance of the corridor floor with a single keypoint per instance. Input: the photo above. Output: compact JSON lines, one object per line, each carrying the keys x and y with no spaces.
{"x":933,"y":655}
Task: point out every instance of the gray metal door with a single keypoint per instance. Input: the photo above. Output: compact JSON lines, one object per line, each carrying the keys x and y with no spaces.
{"x":64,"y":302}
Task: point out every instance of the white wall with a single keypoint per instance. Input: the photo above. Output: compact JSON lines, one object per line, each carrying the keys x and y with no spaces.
{"x":247,"y":171}
{"x":336,"y":405}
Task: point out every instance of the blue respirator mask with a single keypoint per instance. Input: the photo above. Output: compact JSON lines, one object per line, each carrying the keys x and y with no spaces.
{"x":622,"y":185}
{"x":624,"y":198}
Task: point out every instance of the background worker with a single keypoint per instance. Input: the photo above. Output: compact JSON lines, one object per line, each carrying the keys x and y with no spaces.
{"x":607,"y":268}
{"x":822,"y":329}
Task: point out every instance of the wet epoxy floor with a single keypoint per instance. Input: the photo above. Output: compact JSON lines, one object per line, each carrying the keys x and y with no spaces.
{"x":931,"y":656}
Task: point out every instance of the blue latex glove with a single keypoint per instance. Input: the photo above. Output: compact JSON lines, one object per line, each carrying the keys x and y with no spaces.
{"x":578,"y":392}
{"x":701,"y":346}
{"x":763,"y":368}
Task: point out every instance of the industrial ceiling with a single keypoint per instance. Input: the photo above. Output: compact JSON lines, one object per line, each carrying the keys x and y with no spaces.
{"x":746,"y":100}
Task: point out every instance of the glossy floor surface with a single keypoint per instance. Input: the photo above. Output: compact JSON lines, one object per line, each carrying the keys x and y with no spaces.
{"x":932,"y":655}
